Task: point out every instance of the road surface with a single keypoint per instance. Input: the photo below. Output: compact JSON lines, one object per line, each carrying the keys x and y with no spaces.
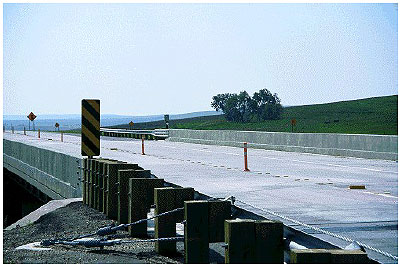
{"x":308,"y":188}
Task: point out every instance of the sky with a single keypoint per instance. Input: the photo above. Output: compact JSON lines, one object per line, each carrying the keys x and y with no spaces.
{"x":148,"y":59}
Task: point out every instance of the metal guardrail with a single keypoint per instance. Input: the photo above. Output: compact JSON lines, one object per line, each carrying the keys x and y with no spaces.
{"x":156,"y":134}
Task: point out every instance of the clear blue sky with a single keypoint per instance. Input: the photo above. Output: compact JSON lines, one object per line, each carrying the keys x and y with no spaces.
{"x":142,"y":59}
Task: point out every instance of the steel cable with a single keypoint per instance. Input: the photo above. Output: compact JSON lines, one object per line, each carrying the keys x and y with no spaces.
{"x":322,"y":231}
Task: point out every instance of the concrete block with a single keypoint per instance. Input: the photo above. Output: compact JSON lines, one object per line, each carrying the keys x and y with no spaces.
{"x":240,"y":240}
{"x":309,"y":256}
{"x":196,"y":244}
{"x":269,"y":244}
{"x":218,"y":212}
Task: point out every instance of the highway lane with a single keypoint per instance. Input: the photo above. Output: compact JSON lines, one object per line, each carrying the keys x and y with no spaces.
{"x":307,"y":187}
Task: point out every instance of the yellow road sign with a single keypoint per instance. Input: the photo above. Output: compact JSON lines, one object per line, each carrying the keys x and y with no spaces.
{"x":90,"y":127}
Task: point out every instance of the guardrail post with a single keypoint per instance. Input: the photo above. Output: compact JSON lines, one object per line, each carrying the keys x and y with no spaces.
{"x":95,"y":184}
{"x":85,"y":181}
{"x":334,"y":256}
{"x":250,"y":241}
{"x":124,"y":190}
{"x":218,"y":212}
{"x":101,"y":180}
{"x":139,"y":202}
{"x":111,"y":186}
{"x":240,"y":240}
{"x":12,"y":129}
{"x":245,"y":158}
{"x":167,"y":199}
{"x":25,"y":131}
{"x":142,"y":139}
{"x":339,"y":256}
{"x":91,"y":181}
{"x":96,"y":204}
{"x":204,"y":224}
{"x":61,"y":136}
{"x":105,"y":178}
{"x":196,"y":242}
{"x":269,"y":243}
{"x":304,"y":256}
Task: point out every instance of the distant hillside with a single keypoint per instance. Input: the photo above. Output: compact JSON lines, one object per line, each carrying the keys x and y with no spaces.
{"x":73,"y":121}
{"x":378,"y":115}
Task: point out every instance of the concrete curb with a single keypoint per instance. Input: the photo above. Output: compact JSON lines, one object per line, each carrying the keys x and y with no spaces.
{"x":348,"y":145}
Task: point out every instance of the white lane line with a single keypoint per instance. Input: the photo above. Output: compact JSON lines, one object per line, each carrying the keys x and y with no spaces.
{"x":287,"y":160}
{"x":387,"y":195}
{"x":381,"y":194}
{"x":280,"y":159}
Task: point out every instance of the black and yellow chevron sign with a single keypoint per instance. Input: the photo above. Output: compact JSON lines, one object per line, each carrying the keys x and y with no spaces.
{"x":90,"y":127}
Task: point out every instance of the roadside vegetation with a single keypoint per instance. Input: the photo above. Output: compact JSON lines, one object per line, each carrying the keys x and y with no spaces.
{"x":263,"y":105}
{"x":378,"y":115}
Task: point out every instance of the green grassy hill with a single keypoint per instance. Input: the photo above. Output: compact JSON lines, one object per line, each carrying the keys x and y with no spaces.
{"x":378,"y":115}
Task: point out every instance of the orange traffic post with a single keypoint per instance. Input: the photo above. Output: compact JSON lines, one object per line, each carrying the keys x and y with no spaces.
{"x":245,"y":158}
{"x":38,"y":133}
{"x":61,"y":136}
{"x":143,"y":152}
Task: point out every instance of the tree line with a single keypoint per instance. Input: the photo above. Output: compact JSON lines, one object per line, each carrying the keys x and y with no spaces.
{"x":263,"y":105}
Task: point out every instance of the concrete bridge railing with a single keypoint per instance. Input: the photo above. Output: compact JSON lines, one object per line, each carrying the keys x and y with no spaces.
{"x":53,"y":173}
{"x":351,"y":145}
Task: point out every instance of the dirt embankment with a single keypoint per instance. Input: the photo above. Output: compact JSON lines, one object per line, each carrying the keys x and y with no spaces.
{"x":73,"y":220}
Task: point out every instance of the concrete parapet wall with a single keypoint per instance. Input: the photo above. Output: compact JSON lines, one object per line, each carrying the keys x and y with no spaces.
{"x":53,"y":173}
{"x":352,"y":145}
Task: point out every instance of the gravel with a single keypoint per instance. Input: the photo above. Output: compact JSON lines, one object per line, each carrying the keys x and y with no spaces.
{"x":69,"y":221}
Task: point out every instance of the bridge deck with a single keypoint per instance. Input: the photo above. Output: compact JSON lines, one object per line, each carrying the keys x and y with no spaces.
{"x":309,"y":188}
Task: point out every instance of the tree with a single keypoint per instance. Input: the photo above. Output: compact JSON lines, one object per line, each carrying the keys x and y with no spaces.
{"x":266,"y":106}
{"x":242,"y":108}
{"x":231,"y":110}
{"x":219,"y":101}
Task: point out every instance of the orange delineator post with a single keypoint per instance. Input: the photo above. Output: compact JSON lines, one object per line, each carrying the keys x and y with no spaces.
{"x":143,"y":153}
{"x":38,"y":133}
{"x":245,"y":158}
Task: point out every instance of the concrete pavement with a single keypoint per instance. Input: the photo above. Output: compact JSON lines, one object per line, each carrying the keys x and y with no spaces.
{"x":309,"y":188}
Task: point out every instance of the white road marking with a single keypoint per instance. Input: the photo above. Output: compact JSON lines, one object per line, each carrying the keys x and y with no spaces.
{"x":287,"y":160}
{"x":381,"y":194}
